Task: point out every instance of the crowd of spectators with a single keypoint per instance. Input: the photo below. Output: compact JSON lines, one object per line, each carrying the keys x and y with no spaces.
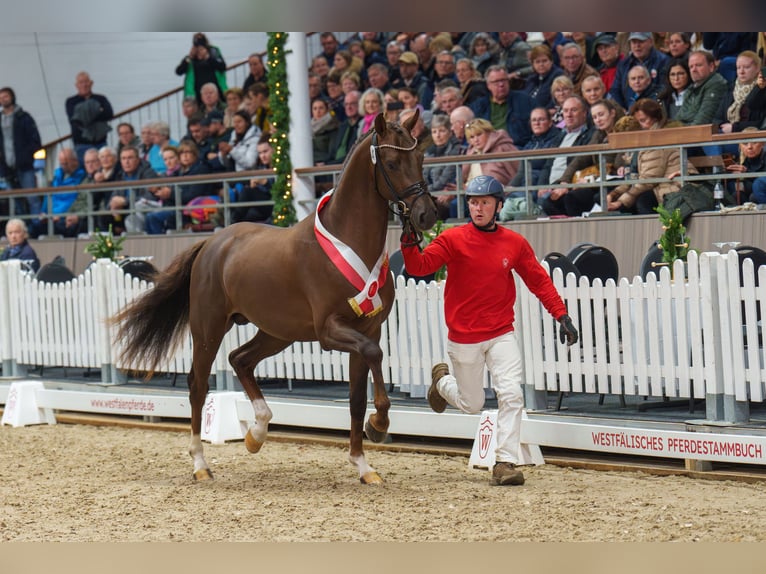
{"x":477,"y":93}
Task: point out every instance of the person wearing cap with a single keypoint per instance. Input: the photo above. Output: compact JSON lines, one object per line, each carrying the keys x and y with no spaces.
{"x":411,"y":77}
{"x":642,"y":51}
{"x":479,"y":296}
{"x":609,"y":53}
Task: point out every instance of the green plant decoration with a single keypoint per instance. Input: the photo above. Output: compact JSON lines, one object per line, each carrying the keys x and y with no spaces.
{"x":428,"y":237}
{"x":673,"y":242}
{"x":105,"y":245}
{"x":283,"y":213}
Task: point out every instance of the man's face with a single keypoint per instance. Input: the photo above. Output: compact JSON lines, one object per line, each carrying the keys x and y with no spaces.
{"x":449,"y":101}
{"x":265,"y":152}
{"x":507,"y":38}
{"x":641,"y":48}
{"x":315,"y":87}
{"x":497,"y":83}
{"x":209,"y":96}
{"x":608,"y":53}
{"x":408,"y":71}
{"x":571,"y":59}
{"x":351,"y":105}
{"x":699,"y":69}
{"x":256,"y":66}
{"x":251,"y":104}
{"x":392,"y":54}
{"x":196,"y":132}
{"x":92,"y":164}
{"x":458,"y":126}
{"x":574,"y":114}
{"x":482,"y":209}
{"x":125,"y":134}
{"x":106,"y":158}
{"x":329,"y":45}
{"x":445,"y":65}
{"x":83,"y":84}
{"x":638,"y":80}
{"x":129,"y":161}
{"x":68,"y":162}
{"x":377,"y":78}
{"x":6,"y":100}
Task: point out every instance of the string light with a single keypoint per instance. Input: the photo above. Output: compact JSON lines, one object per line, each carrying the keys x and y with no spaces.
{"x":283,"y":214}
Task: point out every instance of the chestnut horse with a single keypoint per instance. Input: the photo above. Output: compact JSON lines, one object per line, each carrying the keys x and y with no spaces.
{"x":294,"y":284}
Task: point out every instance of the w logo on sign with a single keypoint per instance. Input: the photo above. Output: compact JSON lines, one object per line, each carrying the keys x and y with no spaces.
{"x":486,"y":430}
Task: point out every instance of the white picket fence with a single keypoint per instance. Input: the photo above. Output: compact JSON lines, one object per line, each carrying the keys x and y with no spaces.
{"x":658,"y":338}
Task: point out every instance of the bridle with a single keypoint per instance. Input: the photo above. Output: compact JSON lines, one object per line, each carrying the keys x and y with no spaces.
{"x":398,"y":207}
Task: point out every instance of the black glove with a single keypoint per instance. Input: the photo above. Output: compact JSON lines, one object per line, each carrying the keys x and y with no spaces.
{"x":567,"y":331}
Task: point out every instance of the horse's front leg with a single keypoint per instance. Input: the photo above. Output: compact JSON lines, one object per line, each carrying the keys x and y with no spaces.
{"x":365,"y":356}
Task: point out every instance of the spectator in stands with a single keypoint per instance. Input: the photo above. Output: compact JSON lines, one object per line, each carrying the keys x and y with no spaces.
{"x":257,"y":73}
{"x":483,"y":52}
{"x":343,"y":62}
{"x":348,"y":129}
{"x":19,"y":140}
{"x":650,"y":163}
{"x":132,"y":169}
{"x":18,"y":245}
{"x":472,"y":84}
{"x":159,"y":222}
{"x":329,"y":46}
{"x":324,"y":125}
{"x":753,"y":159}
{"x":544,"y":135}
{"x":126,"y":135}
{"x":377,"y":77}
{"x":335,"y":96}
{"x":609,"y":53}
{"x":514,"y":55}
{"x":411,"y":77}
{"x":160,"y":138}
{"x":240,"y":152}
{"x":641,"y":85}
{"x":679,"y":45}
{"x":69,"y":173}
{"x":725,"y":47}
{"x":189,"y":106}
{"x":419,"y":131}
{"x":448,"y":98}
{"x":444,"y":69}
{"x":320,"y":67}
{"x":553,"y":41}
{"x":706,"y":92}
{"x":677,"y":82}
{"x":574,"y":65}
{"x":507,"y":109}
{"x":258,"y":189}
{"x":110,"y":169}
{"x":555,"y":200}
{"x":235,"y":98}
{"x":458,"y":119}
{"x":538,"y":84}
{"x":89,"y":116}
{"x":642,"y":51}
{"x":744,"y":103}
{"x":76,"y":221}
{"x":440,"y":178}
{"x":420,"y":44}
{"x":585,"y":41}
{"x":257,"y":105}
{"x":370,"y":105}
{"x":204,"y":64}
{"x":350,"y":82}
{"x":561,"y":89}
{"x":592,"y":89}
{"x":199,"y":131}
{"x":211,"y":100}
{"x":147,"y":140}
{"x":394,"y":49}
{"x":316,"y":86}
{"x":484,"y":139}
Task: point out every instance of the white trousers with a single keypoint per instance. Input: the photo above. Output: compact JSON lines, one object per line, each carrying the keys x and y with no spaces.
{"x":463,"y":388}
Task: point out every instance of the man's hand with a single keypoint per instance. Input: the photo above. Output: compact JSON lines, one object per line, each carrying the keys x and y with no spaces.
{"x":567,"y":331}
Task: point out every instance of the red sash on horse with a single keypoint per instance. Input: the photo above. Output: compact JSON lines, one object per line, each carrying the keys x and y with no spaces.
{"x":367,"y":302}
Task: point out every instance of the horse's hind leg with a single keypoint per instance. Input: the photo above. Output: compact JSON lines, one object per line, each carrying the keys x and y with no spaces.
{"x":244,"y":360}
{"x":205,"y":348}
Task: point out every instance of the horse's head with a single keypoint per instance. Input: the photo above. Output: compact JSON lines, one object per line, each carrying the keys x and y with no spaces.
{"x":399,"y":173}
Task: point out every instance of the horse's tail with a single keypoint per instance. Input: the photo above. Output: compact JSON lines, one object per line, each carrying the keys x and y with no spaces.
{"x":151,"y":327}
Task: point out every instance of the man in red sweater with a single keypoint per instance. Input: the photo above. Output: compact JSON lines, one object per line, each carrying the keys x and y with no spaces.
{"x":478,"y":306}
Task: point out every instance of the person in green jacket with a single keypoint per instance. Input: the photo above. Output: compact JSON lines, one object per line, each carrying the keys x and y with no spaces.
{"x":203,"y":64}
{"x":704,"y":95}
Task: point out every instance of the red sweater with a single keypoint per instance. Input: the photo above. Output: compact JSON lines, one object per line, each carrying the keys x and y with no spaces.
{"x":480,"y":292}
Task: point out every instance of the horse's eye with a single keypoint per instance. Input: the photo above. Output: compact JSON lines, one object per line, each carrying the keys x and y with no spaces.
{"x":392,"y":165}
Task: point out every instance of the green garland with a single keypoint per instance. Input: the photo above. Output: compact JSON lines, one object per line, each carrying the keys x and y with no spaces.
{"x":281,"y":192}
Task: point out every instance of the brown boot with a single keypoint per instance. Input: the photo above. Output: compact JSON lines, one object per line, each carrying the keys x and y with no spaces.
{"x":506,"y":473}
{"x":437,"y":402}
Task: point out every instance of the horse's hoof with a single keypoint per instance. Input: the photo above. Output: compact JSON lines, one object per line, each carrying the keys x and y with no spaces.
{"x":251,"y":444}
{"x":203,"y":474}
{"x":374,"y":434}
{"x":371,"y":478}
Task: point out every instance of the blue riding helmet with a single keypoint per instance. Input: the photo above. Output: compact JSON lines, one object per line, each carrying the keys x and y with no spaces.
{"x":484,"y":185}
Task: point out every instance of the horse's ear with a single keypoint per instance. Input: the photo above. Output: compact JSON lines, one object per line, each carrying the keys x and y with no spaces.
{"x":380,"y":124}
{"x":409,"y":123}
